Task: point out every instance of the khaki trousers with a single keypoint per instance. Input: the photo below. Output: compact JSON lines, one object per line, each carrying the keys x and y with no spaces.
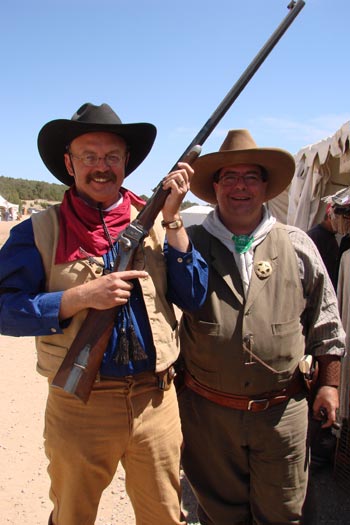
{"x":245,"y":467}
{"x":128,"y":420}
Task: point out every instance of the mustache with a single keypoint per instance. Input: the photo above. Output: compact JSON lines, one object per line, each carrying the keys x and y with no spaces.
{"x":108,"y":175}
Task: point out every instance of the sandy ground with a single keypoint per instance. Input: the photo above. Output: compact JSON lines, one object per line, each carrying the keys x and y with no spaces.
{"x":24,"y":482}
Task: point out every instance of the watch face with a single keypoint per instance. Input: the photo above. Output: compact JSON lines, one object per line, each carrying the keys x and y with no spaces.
{"x":174,"y":225}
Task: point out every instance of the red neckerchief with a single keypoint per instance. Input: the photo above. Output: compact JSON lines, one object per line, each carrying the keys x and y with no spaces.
{"x":81,"y":227}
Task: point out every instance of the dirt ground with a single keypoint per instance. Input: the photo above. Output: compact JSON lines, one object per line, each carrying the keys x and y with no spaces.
{"x":24,"y":481}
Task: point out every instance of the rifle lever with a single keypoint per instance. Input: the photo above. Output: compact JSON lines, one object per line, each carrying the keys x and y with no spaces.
{"x":128,"y":241}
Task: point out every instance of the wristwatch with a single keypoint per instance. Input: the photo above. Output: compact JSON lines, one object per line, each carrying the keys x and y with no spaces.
{"x":172,"y":225}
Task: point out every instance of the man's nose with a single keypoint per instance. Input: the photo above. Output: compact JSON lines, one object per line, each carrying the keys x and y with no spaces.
{"x":240,"y":181}
{"x":102,"y":163}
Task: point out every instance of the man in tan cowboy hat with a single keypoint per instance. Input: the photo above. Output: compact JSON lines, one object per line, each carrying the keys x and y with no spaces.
{"x":57,"y":265}
{"x":270,"y":301}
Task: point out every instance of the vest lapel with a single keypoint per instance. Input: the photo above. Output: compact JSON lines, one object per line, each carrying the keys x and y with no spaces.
{"x":224,"y":263}
{"x":265,"y":252}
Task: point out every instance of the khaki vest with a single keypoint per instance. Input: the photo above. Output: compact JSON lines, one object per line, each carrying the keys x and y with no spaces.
{"x":267,"y":322}
{"x":51,"y":349}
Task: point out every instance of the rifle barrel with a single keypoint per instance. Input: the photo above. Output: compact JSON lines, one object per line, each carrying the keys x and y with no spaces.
{"x":243,"y":80}
{"x":226,"y":103}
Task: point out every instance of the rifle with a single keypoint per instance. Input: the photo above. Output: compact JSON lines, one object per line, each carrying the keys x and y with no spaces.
{"x":79,"y":368}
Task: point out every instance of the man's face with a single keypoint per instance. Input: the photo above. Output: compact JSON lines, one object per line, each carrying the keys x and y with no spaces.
{"x":240,"y":193}
{"x":100,"y":183}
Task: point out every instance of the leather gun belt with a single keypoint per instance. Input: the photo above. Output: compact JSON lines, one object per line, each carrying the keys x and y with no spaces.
{"x":253,"y":404}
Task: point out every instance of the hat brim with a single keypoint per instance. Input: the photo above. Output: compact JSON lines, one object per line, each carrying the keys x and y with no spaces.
{"x":56,"y":135}
{"x":279,"y":164}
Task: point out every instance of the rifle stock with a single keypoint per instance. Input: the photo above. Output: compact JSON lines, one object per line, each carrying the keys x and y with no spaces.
{"x":93,"y":335}
{"x":81,"y":364}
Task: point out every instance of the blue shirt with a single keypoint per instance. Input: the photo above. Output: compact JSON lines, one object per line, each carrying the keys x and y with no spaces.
{"x":26,"y":309}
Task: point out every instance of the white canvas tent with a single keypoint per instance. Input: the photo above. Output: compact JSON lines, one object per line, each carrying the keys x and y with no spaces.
{"x":279,"y":206}
{"x":8,"y":207}
{"x":195,"y":214}
{"x":321,"y":169}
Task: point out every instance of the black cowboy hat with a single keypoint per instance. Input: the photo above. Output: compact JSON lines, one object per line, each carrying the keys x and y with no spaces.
{"x":56,"y":135}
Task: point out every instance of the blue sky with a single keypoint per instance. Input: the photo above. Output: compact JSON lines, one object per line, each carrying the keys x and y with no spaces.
{"x":170,"y":63}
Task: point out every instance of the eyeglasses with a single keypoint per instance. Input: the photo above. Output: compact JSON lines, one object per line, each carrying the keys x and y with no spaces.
{"x":230,"y":180}
{"x":90,"y":159}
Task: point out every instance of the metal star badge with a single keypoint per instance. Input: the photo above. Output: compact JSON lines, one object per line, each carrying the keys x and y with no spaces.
{"x":263,"y":269}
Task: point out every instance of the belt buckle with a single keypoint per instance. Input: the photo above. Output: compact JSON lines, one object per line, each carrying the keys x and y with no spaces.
{"x":259,"y":403}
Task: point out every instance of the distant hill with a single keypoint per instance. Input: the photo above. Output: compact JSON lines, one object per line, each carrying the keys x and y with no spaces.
{"x":18,"y":190}
{"x":29,"y":192}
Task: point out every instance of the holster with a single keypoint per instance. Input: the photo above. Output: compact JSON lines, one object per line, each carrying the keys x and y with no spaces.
{"x":179,"y":379}
{"x":165,"y":378}
{"x":310,"y":381}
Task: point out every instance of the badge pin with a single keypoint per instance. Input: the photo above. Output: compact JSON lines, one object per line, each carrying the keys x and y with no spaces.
{"x":263,"y":269}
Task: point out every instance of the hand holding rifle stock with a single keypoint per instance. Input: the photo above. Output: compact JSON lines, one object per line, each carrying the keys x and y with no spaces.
{"x":81,"y":364}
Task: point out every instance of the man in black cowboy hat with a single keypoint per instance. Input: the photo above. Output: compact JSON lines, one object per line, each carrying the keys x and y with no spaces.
{"x":269,"y":302}
{"x":57,"y":265}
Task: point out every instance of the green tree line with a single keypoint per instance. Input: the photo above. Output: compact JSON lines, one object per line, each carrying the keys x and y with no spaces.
{"x":18,"y":190}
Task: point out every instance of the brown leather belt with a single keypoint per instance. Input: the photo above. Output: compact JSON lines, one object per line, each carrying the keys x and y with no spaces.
{"x":254,"y":404}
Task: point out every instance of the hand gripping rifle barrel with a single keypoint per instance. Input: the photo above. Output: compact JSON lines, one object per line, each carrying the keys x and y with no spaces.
{"x":80,"y":367}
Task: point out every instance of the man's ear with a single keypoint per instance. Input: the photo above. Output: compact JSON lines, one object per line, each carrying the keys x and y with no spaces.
{"x":127,"y":157}
{"x":68,"y":163}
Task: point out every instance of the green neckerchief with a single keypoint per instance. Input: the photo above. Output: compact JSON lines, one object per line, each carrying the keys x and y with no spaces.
{"x":242,"y":242}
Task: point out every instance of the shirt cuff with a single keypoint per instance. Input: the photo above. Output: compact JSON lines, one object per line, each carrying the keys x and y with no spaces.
{"x":328,"y":370}
{"x":180,"y":257}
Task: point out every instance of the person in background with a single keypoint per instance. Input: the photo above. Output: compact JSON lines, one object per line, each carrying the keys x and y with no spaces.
{"x":324,"y":236}
{"x":322,"y":440}
{"x":57,"y":265}
{"x":270,"y":302}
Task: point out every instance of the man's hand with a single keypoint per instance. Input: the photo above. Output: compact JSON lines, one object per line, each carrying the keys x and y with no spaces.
{"x":178,"y":182}
{"x":326,"y":402}
{"x":103,"y":293}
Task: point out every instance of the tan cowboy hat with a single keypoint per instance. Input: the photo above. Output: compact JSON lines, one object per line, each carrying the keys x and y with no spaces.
{"x":56,"y":135}
{"x":239,"y":147}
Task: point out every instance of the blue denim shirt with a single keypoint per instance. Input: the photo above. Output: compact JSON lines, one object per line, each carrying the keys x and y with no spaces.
{"x":26,"y":309}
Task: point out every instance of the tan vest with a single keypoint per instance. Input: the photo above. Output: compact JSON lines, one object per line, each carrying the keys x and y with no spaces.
{"x":52,"y":348}
{"x":215,"y":339}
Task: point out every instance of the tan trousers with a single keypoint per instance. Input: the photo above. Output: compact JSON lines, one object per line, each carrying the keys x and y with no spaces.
{"x":245,"y":467}
{"x":130,"y":420}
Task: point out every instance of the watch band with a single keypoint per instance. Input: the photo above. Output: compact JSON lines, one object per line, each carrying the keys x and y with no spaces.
{"x":172,"y":225}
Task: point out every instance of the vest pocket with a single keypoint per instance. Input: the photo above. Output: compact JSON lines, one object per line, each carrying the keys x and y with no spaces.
{"x":203,"y":327}
{"x":287,"y":327}
{"x":50,"y":358}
